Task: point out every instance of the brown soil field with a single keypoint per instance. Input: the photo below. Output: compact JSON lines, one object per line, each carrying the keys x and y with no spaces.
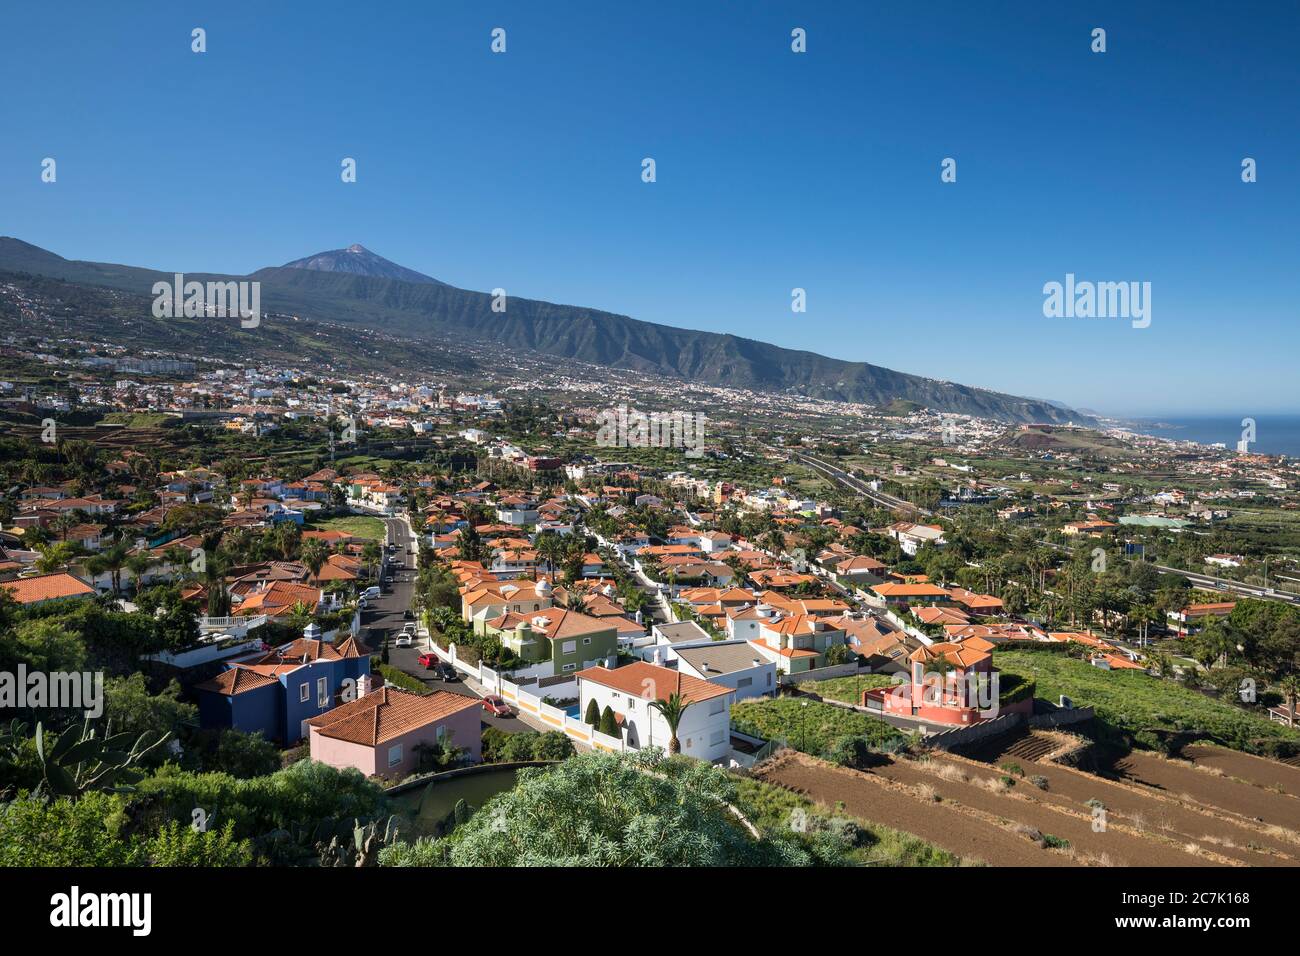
{"x":1174,"y":800}
{"x":1025,"y":804}
{"x":1217,"y":808}
{"x":1181,"y":778}
{"x":875,"y":799}
{"x":1150,"y":812}
{"x":1261,"y":771}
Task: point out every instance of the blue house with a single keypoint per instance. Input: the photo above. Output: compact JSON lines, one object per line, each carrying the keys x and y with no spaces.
{"x":278,"y":693}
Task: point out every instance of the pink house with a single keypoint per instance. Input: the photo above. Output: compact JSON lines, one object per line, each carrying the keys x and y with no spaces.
{"x":949,"y":684}
{"x":379,"y":733}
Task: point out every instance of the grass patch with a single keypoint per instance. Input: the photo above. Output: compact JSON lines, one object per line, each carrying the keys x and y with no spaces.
{"x":847,"y":690}
{"x":359,"y":526}
{"x":809,"y":725}
{"x":1136,"y":703}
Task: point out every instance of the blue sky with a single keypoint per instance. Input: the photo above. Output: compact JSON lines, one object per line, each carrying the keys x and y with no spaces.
{"x":775,"y":170}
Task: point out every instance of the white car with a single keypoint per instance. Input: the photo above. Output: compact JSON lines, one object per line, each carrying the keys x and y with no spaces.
{"x":405,"y":640}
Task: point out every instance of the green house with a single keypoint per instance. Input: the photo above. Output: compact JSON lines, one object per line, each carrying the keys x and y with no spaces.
{"x":571,"y":641}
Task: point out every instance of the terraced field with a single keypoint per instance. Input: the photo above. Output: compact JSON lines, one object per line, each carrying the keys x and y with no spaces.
{"x":1007,"y":798}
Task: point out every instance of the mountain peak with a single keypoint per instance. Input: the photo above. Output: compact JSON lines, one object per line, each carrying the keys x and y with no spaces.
{"x":356,"y":259}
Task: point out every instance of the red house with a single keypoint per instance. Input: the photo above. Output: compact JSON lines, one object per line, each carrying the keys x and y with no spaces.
{"x":949,"y":684}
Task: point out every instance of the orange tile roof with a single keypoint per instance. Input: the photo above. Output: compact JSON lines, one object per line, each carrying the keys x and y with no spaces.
{"x":960,"y":655}
{"x":237,"y":680}
{"x":640,"y":678}
{"x":46,"y":587}
{"x":388,"y":713}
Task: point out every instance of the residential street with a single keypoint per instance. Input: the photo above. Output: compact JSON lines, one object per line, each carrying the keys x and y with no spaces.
{"x":384,"y":618}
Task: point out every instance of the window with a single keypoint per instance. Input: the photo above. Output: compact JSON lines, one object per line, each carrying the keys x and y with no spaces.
{"x":769,"y":678}
{"x":322,"y":692}
{"x":568,"y":647}
{"x":304,"y":692}
{"x":586,"y":640}
{"x":394,"y":755}
{"x":569,"y":667}
{"x":440,"y":734}
{"x":745,"y":682}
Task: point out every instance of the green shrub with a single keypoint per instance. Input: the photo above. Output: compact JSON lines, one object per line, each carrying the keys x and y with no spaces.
{"x":608,"y":722}
{"x":1133,"y":705}
{"x":812,"y":726}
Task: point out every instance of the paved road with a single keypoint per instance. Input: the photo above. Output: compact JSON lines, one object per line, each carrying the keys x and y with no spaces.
{"x":385,"y":617}
{"x":856,"y":484}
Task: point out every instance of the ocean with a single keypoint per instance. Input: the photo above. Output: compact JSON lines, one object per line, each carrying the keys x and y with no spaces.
{"x":1274,"y":434}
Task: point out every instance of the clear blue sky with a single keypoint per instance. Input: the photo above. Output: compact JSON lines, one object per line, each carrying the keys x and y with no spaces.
{"x":775,"y":170}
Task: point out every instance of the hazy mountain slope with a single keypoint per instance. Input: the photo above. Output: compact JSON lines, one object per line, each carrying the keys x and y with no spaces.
{"x":428,"y":309}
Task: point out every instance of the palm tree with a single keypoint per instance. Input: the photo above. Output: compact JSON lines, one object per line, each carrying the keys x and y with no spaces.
{"x":55,"y":557}
{"x":370,"y":554}
{"x":299,"y":616}
{"x":139,"y":564}
{"x":113,"y":561}
{"x":314,"y":554}
{"x":672,"y":710}
{"x":64,"y":523}
{"x":550,"y":546}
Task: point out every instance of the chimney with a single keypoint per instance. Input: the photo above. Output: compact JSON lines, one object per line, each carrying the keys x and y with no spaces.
{"x":364,"y":685}
{"x":756,"y":662}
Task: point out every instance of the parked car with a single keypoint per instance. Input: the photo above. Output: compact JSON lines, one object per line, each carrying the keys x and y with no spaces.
{"x":446,"y":672}
{"x":431,"y":662}
{"x":409,"y":628}
{"x":497,"y":707}
{"x":408,"y":615}
{"x":405,"y":640}
{"x":388,"y":579}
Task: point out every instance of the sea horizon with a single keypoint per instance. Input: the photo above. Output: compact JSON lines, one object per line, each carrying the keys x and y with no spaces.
{"x":1275,"y":433}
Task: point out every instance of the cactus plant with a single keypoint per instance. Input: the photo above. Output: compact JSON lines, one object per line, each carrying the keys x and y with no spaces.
{"x":73,"y":762}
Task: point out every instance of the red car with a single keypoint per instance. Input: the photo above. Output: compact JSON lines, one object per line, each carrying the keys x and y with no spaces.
{"x":497,"y":707}
{"x":429,"y":660}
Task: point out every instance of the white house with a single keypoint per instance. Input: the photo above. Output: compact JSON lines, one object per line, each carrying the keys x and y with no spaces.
{"x":734,"y":664}
{"x":705,"y":728}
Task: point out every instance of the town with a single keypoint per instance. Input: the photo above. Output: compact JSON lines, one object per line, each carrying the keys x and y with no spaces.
{"x":838,"y":634}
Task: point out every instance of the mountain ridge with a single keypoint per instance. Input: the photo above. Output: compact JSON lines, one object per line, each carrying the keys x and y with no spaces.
{"x":428,"y":309}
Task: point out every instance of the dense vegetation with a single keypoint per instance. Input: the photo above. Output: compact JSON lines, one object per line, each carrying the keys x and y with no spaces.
{"x":631,"y":809}
{"x":813,"y":727}
{"x":1132,"y":704}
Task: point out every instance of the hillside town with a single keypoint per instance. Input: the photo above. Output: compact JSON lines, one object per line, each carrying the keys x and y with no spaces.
{"x":283,"y":573}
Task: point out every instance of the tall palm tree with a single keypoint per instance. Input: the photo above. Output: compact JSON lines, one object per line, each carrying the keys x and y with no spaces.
{"x":139,"y":565}
{"x":63,"y":523}
{"x":370,"y":554}
{"x":672,"y":710}
{"x":314,"y":553}
{"x":113,"y":561}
